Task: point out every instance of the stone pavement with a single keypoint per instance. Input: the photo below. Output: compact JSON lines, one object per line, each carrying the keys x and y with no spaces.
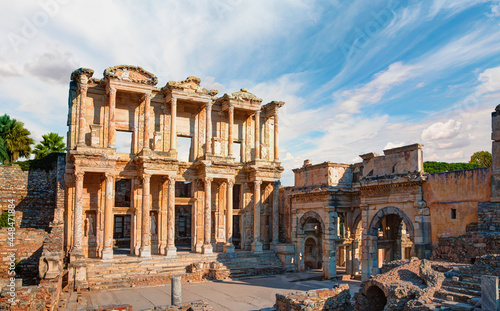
{"x":247,"y":294}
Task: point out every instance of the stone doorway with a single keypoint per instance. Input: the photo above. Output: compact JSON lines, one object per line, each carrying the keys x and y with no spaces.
{"x":121,"y":234}
{"x":183,"y":214}
{"x":236,"y":232}
{"x":312,"y":254}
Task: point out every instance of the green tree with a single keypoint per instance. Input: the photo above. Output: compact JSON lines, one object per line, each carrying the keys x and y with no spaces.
{"x":4,"y":156}
{"x":482,"y":158}
{"x":16,"y":140}
{"x":52,"y":142}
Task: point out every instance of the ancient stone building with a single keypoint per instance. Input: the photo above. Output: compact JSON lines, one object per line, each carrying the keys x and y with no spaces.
{"x":160,"y":170}
{"x":356,"y":217}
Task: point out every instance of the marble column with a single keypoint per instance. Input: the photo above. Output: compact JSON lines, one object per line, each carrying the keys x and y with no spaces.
{"x":82,"y":122}
{"x":145,"y":250}
{"x":173,"y":124}
{"x":107,"y":252}
{"x":111,"y":127}
{"x":230,"y":132}
{"x":257,"y":135}
{"x":163,"y":218}
{"x":256,"y":243}
{"x":276,"y":149}
{"x":78,"y":215}
{"x":207,"y":246}
{"x":276,"y":222}
{"x":171,"y":249}
{"x":208,"y":137}
{"x":229,"y":247}
{"x":147,"y":106}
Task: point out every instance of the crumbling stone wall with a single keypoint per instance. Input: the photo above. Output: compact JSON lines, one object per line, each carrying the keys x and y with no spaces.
{"x":316,"y":300}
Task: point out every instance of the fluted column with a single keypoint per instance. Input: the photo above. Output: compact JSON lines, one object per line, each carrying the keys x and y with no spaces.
{"x":229,"y":247}
{"x":82,"y":122}
{"x":145,"y":250}
{"x":173,"y":124}
{"x":208,"y":136}
{"x":107,"y":252}
{"x":207,"y":246}
{"x":78,"y":215}
{"x":230,"y":134}
{"x":257,"y":135}
{"x":147,"y":104}
{"x":256,"y":244}
{"x":171,"y":249}
{"x":111,"y":127}
{"x":276,"y":131}
{"x":276,"y":222}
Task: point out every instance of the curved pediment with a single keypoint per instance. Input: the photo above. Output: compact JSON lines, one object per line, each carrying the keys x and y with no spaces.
{"x":245,"y":95}
{"x":190,"y":85}
{"x":131,"y":74}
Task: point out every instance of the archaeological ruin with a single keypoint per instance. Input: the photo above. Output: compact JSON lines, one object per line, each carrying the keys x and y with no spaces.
{"x":177,"y":181}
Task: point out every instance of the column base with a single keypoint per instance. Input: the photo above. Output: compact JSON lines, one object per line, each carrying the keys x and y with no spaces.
{"x":273,"y":245}
{"x":107,"y":253}
{"x":207,"y":249}
{"x":198,"y":248}
{"x":145,"y":252}
{"x":228,"y":248}
{"x":257,"y":247}
{"x":171,"y":251}
{"x":76,"y":255}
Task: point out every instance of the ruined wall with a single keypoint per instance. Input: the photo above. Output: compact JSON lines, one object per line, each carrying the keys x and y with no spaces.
{"x":460,"y":190}
{"x":36,"y":194}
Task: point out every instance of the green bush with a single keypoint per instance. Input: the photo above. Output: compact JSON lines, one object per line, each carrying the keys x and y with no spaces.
{"x":4,"y":220}
{"x":46,"y":163}
{"x":438,"y":167}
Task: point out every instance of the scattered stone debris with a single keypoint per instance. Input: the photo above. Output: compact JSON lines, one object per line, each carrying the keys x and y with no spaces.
{"x":322,"y":299}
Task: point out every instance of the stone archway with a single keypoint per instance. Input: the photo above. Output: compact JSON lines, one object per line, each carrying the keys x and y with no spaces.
{"x":389,"y":236}
{"x":310,"y":231}
{"x":311,"y":214}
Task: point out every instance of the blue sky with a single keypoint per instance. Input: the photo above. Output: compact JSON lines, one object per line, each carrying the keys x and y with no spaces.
{"x":356,"y":76}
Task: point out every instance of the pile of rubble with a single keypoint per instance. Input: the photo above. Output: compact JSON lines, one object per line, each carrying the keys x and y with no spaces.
{"x":322,"y":299}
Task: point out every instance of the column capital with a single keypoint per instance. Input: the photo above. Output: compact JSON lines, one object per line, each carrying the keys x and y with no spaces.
{"x":171,"y":178}
{"x":83,"y":87}
{"x":79,"y":175}
{"x":109,"y":176}
{"x":208,"y":179}
{"x":111,"y":89}
{"x":173,"y":100}
{"x":146,"y":177}
{"x":257,"y":182}
{"x":147,"y":96}
{"x":231,"y":108}
{"x":209,"y":103}
{"x":230,"y":182}
{"x":277,"y":183}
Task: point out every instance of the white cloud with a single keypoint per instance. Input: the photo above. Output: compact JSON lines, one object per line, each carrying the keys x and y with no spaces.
{"x":352,"y":101}
{"x":442,"y":130}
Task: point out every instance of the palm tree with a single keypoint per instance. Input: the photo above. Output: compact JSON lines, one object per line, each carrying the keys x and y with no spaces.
{"x":52,"y":142}
{"x":16,"y":140}
{"x":4,"y":156}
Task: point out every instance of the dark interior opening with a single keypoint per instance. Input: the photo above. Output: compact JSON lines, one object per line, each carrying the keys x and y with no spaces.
{"x":376,"y":299}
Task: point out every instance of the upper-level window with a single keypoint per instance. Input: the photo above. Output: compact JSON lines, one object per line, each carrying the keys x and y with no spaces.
{"x":123,"y":190}
{"x":237,"y":151}
{"x":184,"y":148}
{"x":123,"y":142}
{"x":182,"y":189}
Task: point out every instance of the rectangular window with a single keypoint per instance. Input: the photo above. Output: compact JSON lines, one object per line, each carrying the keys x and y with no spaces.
{"x":184,"y":148}
{"x":237,"y":151}
{"x":236,"y":196}
{"x":453,"y":213}
{"x":182,"y":189}
{"x":123,"y":190}
{"x":123,"y":142}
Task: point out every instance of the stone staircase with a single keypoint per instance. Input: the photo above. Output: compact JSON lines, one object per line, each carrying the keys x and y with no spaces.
{"x":128,"y":271}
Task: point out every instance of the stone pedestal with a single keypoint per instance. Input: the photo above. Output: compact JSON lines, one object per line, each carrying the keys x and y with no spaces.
{"x":257,"y":247}
{"x":207,"y":249}
{"x":228,"y":248}
{"x":176,"y":290}
{"x":489,"y":293}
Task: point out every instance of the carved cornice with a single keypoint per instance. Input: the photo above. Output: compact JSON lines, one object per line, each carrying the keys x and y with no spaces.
{"x":131,"y":74}
{"x":190,"y":85}
{"x":78,"y":73}
{"x":387,"y":185}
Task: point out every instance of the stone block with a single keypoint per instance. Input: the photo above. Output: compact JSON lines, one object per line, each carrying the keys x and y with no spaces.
{"x":489,"y":293}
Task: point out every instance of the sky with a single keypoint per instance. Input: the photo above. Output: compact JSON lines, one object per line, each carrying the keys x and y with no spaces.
{"x":355,"y":76}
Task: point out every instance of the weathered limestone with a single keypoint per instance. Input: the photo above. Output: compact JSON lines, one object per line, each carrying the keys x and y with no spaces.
{"x":256,"y":243}
{"x":78,"y":216}
{"x":176,"y":295}
{"x":229,"y":247}
{"x":112,"y":108}
{"x":207,"y":246}
{"x":147,"y":105}
{"x":145,"y":251}
{"x":107,"y":252}
{"x":171,"y":249}
{"x":173,"y":125}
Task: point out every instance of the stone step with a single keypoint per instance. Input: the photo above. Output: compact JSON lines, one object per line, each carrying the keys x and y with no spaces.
{"x":463,"y":284}
{"x":462,"y":290}
{"x":453,"y":296}
{"x":457,"y":306}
